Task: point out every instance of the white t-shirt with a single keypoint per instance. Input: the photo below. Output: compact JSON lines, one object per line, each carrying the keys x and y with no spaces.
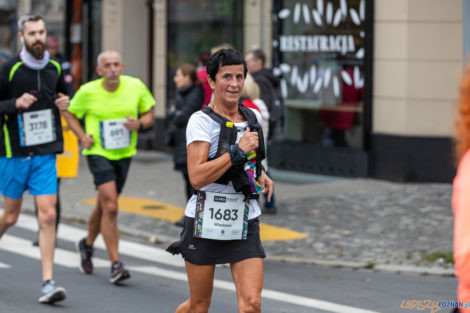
{"x":203,"y":128}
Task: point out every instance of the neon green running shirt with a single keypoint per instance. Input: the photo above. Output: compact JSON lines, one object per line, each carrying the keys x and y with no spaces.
{"x":98,"y":105}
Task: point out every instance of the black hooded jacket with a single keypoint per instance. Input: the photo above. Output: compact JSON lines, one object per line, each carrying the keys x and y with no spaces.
{"x":269,"y":92}
{"x":16,"y":79}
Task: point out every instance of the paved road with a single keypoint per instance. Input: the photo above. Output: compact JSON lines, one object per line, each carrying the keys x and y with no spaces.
{"x":348,"y":222}
{"x":158,"y":282}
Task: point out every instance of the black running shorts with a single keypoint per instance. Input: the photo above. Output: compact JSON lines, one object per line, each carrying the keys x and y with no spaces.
{"x":105,"y":170}
{"x":202,"y":251}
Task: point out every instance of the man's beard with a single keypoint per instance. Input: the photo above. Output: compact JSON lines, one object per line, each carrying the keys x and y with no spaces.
{"x":36,"y":50}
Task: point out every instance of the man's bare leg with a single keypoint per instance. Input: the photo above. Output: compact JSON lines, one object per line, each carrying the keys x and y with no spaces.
{"x":10,"y":213}
{"x":108,"y":197}
{"x":47,"y":219}
{"x":94,"y":222}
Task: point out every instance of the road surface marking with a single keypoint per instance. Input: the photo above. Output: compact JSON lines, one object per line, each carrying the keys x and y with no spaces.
{"x":266,"y":293}
{"x":61,"y":257}
{"x":70,"y":259}
{"x":171,"y":213}
{"x":126,"y":247}
{"x":3,"y":265}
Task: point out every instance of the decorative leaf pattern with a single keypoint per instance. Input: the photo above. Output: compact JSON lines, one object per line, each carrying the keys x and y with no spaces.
{"x":322,"y":78}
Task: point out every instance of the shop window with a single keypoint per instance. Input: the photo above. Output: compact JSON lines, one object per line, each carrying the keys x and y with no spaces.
{"x":320,"y":51}
{"x":195,"y":26}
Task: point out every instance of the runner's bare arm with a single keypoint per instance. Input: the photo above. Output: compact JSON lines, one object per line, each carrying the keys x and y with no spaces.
{"x":25,"y":101}
{"x":201,"y":171}
{"x":267,"y":183}
{"x":85,"y":140}
{"x":145,"y":121}
{"x":62,"y":102}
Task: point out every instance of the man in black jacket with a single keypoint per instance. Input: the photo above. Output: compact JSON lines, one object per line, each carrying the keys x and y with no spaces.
{"x":32,"y":94}
{"x":268,"y":86}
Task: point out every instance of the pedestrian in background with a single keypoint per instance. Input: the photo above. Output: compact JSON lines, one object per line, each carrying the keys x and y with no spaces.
{"x":202,"y":76}
{"x":250,"y":98}
{"x":3,"y":57}
{"x":189,"y":99}
{"x":53,"y":47}
{"x":269,"y":93}
{"x":461,"y":194}
{"x":269,"y":87}
{"x":114,"y":107}
{"x":32,"y":97}
{"x":223,"y":140}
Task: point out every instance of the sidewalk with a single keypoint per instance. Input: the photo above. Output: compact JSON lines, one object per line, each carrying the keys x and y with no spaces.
{"x":359,"y":223}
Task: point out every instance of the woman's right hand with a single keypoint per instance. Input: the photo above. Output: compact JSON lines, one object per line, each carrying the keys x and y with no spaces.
{"x":249,"y":141}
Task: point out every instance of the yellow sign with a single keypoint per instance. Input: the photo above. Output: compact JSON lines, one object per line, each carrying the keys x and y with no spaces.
{"x":67,"y":162}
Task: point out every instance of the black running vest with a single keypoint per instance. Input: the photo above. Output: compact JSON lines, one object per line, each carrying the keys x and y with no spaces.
{"x":227,"y":137}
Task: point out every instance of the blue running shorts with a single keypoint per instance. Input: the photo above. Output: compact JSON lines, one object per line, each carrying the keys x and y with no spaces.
{"x":37,"y":173}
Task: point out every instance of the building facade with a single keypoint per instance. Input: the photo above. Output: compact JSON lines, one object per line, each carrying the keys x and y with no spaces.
{"x":369,"y":87}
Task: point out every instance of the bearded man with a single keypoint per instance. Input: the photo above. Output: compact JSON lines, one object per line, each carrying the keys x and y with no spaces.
{"x":32,"y":95}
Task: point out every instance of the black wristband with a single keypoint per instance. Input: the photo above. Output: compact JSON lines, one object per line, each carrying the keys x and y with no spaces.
{"x":141,"y":127}
{"x":236,"y":155}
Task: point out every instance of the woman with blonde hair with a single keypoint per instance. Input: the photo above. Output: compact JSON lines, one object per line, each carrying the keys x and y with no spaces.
{"x":251,"y":99}
{"x":461,"y":194}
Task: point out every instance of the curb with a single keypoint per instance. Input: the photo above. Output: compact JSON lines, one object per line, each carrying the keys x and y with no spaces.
{"x":423,"y":270}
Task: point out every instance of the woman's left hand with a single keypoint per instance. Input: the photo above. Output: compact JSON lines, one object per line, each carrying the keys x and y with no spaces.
{"x":268,"y":185}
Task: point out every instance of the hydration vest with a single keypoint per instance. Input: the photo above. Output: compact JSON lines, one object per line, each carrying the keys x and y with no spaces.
{"x":228,"y":136}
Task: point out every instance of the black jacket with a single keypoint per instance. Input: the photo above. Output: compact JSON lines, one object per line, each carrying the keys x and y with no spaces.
{"x":269,"y":92}
{"x":187,"y":101}
{"x":15,"y":79}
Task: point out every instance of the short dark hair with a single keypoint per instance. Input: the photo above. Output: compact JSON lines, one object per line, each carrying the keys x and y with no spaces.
{"x":224,"y":57}
{"x":258,"y":54}
{"x":30,"y":17}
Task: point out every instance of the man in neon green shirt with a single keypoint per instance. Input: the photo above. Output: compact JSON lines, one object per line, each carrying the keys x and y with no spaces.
{"x":111,"y":107}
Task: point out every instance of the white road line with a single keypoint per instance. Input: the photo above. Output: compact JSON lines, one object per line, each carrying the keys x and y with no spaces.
{"x":3,"y":265}
{"x":73,"y":234}
{"x":61,"y":257}
{"x":266,"y":294}
{"x":70,"y":259}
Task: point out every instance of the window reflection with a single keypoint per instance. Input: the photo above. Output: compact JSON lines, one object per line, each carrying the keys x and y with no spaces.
{"x":198,"y":25}
{"x":321,"y":47}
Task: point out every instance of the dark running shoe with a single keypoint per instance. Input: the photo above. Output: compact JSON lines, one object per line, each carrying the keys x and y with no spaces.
{"x":86,"y":252}
{"x":50,"y":293}
{"x":118,"y":272}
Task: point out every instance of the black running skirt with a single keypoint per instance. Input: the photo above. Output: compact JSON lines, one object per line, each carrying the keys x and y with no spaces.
{"x":202,"y":251}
